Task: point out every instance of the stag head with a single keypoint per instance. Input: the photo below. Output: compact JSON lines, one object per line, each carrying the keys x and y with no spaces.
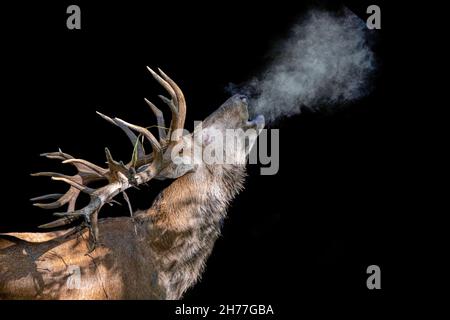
{"x":174,"y":154}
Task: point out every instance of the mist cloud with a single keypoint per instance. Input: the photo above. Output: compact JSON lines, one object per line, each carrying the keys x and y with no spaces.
{"x":325,"y":62}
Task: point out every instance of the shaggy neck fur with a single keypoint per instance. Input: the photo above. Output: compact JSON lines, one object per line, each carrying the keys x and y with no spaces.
{"x":185,"y":221}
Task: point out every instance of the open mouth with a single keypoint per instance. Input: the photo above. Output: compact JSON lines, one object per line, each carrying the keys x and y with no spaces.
{"x":257,"y":122}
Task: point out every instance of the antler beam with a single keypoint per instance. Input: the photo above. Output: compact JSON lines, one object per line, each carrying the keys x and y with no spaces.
{"x":141,"y":169}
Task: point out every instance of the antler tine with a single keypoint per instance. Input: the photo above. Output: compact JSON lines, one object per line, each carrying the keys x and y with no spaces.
{"x":174,"y":103}
{"x":96,"y":169}
{"x":170,"y":103}
{"x":62,"y":200}
{"x":56,"y":155}
{"x":165,"y":84}
{"x":150,"y":137}
{"x":49,"y":174}
{"x":159,"y":120}
{"x":47,"y":196}
{"x":181,"y":103}
{"x":130,"y":134}
{"x":74,"y":193}
{"x":58,"y":223}
{"x":74,"y":184}
{"x":115,"y":167}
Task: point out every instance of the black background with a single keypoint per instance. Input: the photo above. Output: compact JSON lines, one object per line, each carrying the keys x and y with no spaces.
{"x":339,"y":179}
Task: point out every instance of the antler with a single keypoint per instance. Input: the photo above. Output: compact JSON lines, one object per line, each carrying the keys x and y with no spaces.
{"x":141,"y":169}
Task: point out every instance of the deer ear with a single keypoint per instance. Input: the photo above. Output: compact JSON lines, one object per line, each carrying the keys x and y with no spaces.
{"x":182,"y":160}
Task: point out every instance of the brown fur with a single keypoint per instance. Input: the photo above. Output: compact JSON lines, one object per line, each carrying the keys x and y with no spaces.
{"x":156,"y":254}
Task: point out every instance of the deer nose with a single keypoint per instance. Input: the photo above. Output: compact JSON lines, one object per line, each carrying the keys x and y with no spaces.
{"x":243,"y":98}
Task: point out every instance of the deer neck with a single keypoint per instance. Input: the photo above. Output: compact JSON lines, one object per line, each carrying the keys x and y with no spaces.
{"x":184,"y":222}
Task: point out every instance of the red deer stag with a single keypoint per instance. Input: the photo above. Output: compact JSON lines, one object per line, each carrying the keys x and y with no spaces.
{"x":154,"y":254}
